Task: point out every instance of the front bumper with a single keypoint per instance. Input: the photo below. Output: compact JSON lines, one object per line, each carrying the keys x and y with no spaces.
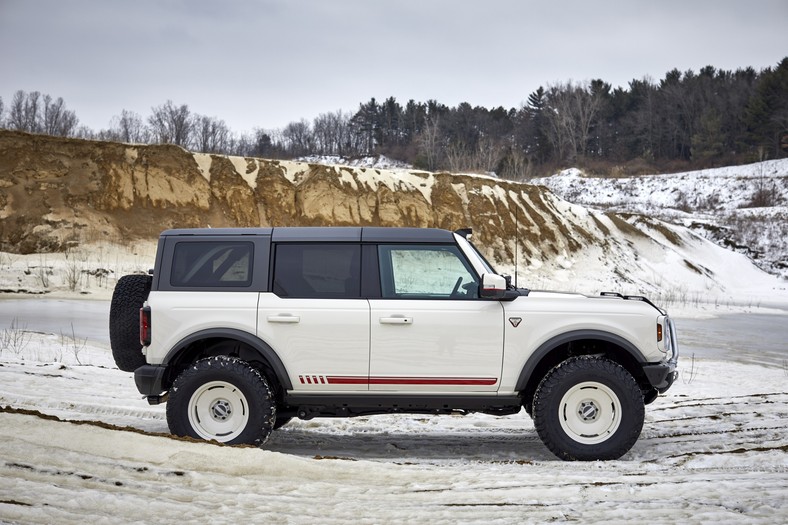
{"x":662,"y":375}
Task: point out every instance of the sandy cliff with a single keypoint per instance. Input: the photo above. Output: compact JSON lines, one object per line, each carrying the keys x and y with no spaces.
{"x":56,"y":193}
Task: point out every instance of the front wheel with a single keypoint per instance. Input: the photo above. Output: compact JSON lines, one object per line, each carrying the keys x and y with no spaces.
{"x":588,"y":408}
{"x":223,"y":399}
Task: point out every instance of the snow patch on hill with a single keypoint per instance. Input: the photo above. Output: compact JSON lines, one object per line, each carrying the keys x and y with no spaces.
{"x":744,"y":208}
{"x":370,"y":161}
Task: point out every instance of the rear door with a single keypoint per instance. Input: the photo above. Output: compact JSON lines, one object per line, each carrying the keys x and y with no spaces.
{"x":315,"y":318}
{"x":430,"y":331}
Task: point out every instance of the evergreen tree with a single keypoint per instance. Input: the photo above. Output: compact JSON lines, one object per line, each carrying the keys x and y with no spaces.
{"x":708,"y":141}
{"x":365,"y":125}
{"x":767,"y":110}
{"x":533,"y":127}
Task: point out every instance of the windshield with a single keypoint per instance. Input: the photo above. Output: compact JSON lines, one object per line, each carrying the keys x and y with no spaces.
{"x":487,"y":266}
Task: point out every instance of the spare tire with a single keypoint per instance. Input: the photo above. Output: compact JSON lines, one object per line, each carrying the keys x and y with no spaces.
{"x":131,"y":291}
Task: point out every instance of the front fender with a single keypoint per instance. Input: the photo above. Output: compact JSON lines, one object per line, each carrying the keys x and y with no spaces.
{"x":576,"y":335}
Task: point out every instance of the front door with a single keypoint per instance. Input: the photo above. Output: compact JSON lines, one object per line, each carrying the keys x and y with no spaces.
{"x":430,"y":332}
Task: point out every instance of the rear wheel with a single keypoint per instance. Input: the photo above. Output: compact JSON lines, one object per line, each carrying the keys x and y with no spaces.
{"x":223,"y":399}
{"x":131,"y":291}
{"x":588,"y":408}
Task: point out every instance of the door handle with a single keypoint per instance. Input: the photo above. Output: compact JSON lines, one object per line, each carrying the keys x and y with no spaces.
{"x":396,"y":320}
{"x":284,"y":318}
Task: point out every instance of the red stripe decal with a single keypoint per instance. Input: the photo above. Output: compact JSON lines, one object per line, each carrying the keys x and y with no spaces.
{"x":339,"y":380}
{"x":462,"y":381}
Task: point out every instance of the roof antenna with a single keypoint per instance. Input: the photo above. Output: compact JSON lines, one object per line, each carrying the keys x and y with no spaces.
{"x":516,"y":240}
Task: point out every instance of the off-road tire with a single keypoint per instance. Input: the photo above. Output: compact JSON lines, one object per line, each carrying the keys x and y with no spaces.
{"x":130,"y":293}
{"x":588,"y":408}
{"x":282,"y":421}
{"x":223,"y":399}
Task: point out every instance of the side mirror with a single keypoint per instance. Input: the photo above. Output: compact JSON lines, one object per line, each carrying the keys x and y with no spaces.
{"x":493,"y":286}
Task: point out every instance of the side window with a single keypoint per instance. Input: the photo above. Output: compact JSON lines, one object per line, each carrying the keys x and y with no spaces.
{"x":212,"y":264}
{"x":318,"y":271}
{"x":426,"y":272}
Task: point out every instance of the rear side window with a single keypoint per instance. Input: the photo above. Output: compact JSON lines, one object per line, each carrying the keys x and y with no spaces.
{"x":212,"y":264}
{"x":318,"y":271}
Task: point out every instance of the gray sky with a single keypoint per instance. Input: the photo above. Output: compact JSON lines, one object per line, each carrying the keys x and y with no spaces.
{"x":265,"y":63}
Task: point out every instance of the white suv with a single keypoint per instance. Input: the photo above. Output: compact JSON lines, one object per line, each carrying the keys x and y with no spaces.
{"x":240,"y":330}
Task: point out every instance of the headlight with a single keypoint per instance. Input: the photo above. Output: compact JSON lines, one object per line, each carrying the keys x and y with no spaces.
{"x":673,"y":340}
{"x":666,"y":336}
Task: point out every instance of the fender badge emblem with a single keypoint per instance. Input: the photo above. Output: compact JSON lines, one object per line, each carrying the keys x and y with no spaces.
{"x":515,"y":321}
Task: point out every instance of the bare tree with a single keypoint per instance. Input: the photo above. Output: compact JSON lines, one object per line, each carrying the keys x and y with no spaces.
{"x":84,"y":132}
{"x":2,"y":118}
{"x":487,"y":156}
{"x":484,"y":158}
{"x":324,"y":131}
{"x":128,"y":127}
{"x":36,"y":114}
{"x":571,"y":109}
{"x":171,"y":124}
{"x":57,"y":120}
{"x":24,"y":111}
{"x":210,"y":134}
{"x":297,"y":138}
{"x":457,"y":157}
{"x":429,"y":142}
{"x":331,"y":133}
{"x":516,"y":165}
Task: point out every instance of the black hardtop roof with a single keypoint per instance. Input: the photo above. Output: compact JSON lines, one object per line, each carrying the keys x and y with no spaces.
{"x":325,"y":233}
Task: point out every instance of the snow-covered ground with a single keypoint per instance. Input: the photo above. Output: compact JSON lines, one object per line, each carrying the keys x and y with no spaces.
{"x":713,"y":449}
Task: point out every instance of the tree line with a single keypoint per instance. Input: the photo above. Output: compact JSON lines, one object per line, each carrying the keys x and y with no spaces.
{"x":707,"y":118}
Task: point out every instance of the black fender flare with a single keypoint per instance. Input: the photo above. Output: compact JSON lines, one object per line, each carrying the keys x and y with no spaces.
{"x":576,"y":335}
{"x":251,"y":340}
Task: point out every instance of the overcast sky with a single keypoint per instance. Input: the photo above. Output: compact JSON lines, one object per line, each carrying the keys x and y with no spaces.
{"x":265,"y":63}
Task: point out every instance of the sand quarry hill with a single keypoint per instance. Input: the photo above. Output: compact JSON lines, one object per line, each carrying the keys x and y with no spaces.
{"x":57,"y":193}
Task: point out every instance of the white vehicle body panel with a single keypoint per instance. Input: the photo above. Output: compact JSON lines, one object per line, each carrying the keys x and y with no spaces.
{"x":438,"y":346}
{"x":547,"y":315}
{"x":323,"y":343}
{"x":181,"y":314}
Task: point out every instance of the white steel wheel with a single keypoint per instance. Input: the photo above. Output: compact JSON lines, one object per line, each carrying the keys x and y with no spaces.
{"x":218,"y":410}
{"x":223,"y":399}
{"x":588,"y":408}
{"x":589,"y":413}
